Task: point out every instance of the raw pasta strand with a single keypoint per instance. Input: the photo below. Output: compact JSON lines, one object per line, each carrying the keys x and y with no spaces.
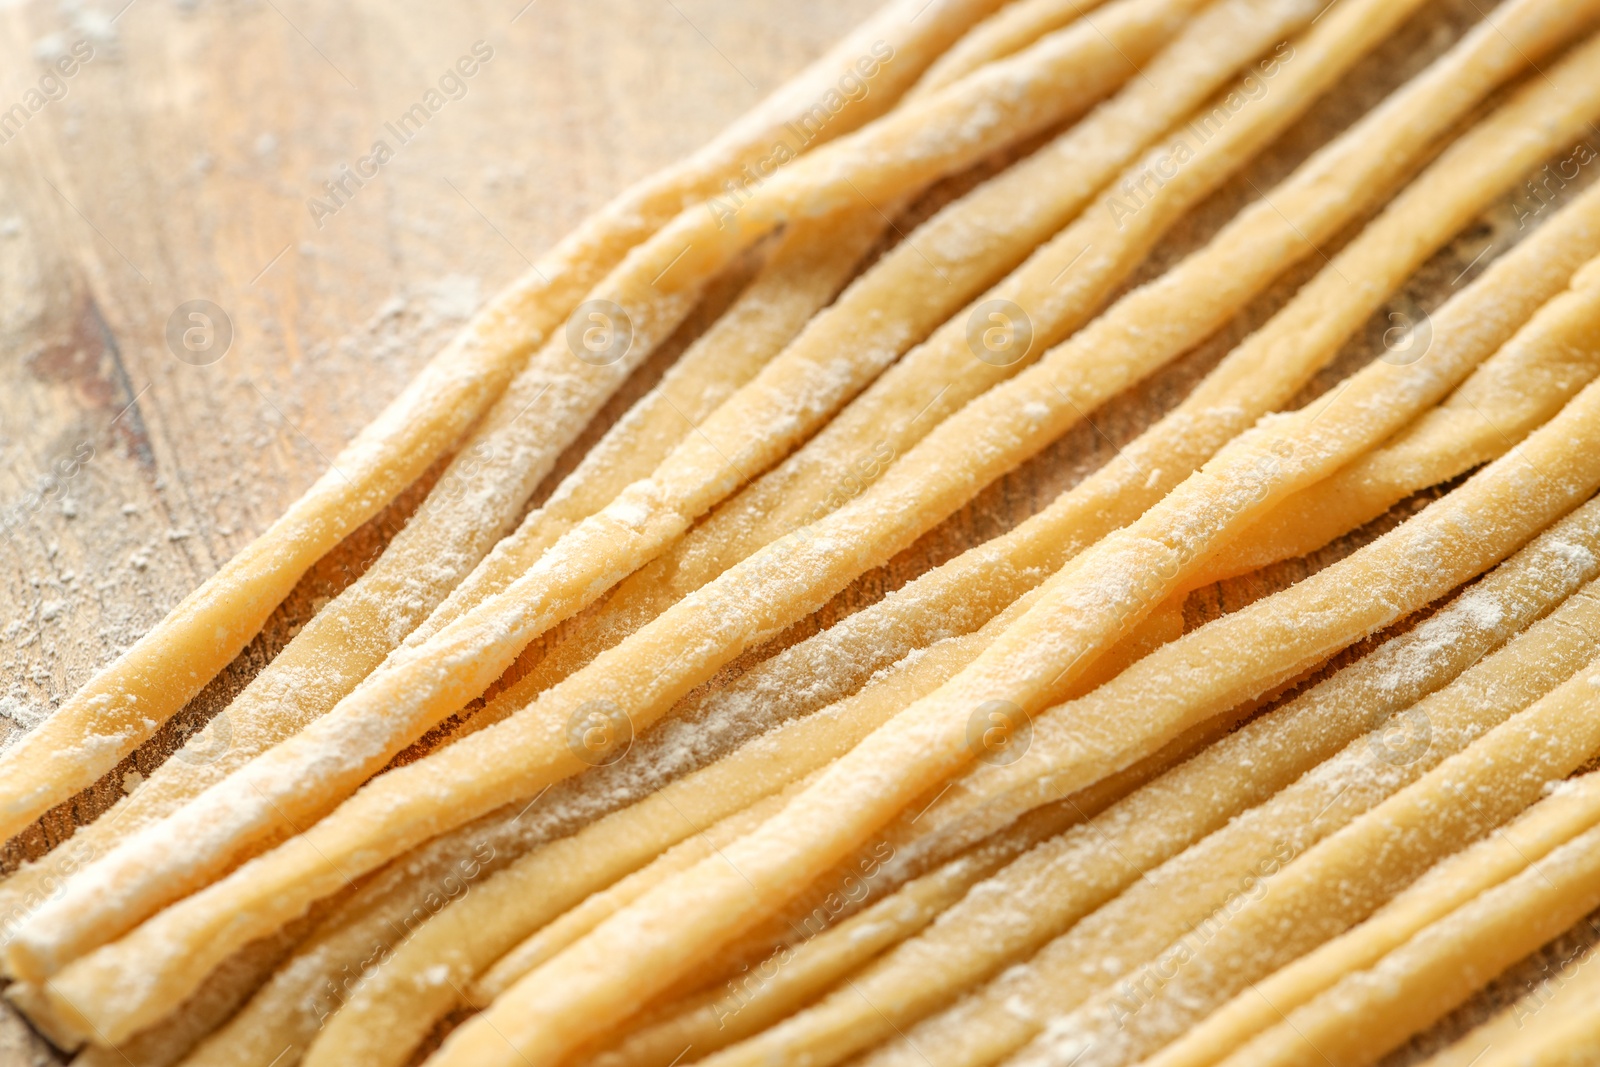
{"x":1061,"y":285}
{"x":787,"y":288}
{"x":703,"y":1020}
{"x":661,"y":668}
{"x":286,"y":1013}
{"x":122,"y":705}
{"x":472,"y":934}
{"x":1572,"y":810}
{"x":1567,"y":1034}
{"x":912,"y":680}
{"x":367,"y":727}
{"x":1067,"y":879}
{"x":552,"y":1008}
{"x":1341,"y":880}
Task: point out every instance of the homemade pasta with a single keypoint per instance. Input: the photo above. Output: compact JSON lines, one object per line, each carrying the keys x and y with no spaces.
{"x":1076,"y":543}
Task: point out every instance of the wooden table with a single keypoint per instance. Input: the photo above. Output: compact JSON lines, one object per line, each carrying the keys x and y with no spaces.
{"x":182,"y":162}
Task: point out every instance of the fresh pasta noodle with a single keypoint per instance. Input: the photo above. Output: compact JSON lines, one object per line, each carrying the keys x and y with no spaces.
{"x":939,"y":376}
{"x":1566,"y":1034}
{"x":1453,"y":883}
{"x":933,"y":480}
{"x":551,"y":1008}
{"x":712,"y":1019}
{"x":369,"y":714}
{"x":1133,"y":842}
{"x":122,"y":705}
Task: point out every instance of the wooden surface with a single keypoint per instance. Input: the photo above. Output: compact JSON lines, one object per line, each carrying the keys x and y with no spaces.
{"x":177,"y":167}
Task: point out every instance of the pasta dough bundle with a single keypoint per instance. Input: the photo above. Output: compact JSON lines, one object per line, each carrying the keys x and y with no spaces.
{"x":122,"y":705}
{"x":862,"y":1015}
{"x":667,"y":908}
{"x":1132,"y":853}
{"x":1489,"y":56}
{"x":472,"y":504}
{"x":1341,"y":880}
{"x":1473,"y":528}
{"x":1060,"y":285}
{"x":243,"y":810}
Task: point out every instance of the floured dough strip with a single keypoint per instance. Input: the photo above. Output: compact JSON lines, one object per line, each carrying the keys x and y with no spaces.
{"x":1176,"y":687}
{"x":479,"y":929}
{"x":1061,"y":286}
{"x":1550,"y":863}
{"x":637,"y":952}
{"x":933,"y":485}
{"x":989,"y":108}
{"x":1067,"y":879}
{"x":937,"y":268}
{"x":1573,"y":809}
{"x":814,"y":261}
{"x":963,"y":594}
{"x":788,"y":979}
{"x":122,"y":705}
{"x":1506,"y":398}
{"x":1126,"y":944}
{"x":292,"y":1007}
{"x":1340,"y":881}
{"x":1011,"y":28}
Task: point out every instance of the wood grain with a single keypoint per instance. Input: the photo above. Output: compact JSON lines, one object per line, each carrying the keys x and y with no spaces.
{"x":177,"y":166}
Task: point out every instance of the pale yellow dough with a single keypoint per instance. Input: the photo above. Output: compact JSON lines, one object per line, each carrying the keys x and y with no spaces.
{"x":122,"y":705}
{"x":1128,"y":853}
{"x":267,"y":799}
{"x":1372,"y":1011}
{"x":933,"y":482}
{"x":1060,"y":285}
{"x":550,"y":1010}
